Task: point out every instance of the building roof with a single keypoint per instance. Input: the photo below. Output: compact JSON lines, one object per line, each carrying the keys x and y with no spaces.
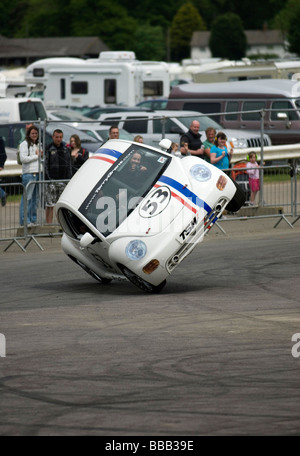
{"x":34,"y":48}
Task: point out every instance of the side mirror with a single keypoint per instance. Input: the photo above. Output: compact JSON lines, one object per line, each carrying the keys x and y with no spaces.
{"x":284,"y":116}
{"x":86,"y":240}
{"x":165,"y":144}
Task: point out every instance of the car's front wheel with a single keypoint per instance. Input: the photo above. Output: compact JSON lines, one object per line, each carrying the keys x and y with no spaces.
{"x":93,"y":274}
{"x":238,"y":200}
{"x":141,"y":283}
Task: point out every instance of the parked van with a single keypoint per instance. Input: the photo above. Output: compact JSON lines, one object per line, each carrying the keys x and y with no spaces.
{"x":154,"y":125}
{"x":21,"y":109}
{"x":239,"y":105}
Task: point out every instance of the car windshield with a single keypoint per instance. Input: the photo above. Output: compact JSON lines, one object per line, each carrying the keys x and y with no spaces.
{"x":205,"y":122}
{"x":32,"y":110}
{"x":122,"y":188}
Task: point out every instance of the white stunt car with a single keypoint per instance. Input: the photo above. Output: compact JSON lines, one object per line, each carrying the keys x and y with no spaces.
{"x":134,"y":211}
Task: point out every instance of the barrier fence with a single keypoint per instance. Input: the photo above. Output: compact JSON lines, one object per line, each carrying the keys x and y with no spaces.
{"x":279,"y":196}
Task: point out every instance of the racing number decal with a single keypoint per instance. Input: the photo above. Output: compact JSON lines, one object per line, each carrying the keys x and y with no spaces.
{"x":156,"y":202}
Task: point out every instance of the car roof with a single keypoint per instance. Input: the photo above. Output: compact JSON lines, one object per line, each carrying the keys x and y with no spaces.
{"x":69,"y":114}
{"x":111,"y":110}
{"x":160,"y":112}
{"x":284,"y":87}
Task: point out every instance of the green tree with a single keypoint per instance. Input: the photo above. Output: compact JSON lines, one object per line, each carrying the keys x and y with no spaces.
{"x":282,"y":19}
{"x":11,"y":16}
{"x":44,"y":19}
{"x":149,"y":43}
{"x":294,"y":34}
{"x":103,"y":18}
{"x":228,"y":39}
{"x":254,"y":13}
{"x":185,"y":22}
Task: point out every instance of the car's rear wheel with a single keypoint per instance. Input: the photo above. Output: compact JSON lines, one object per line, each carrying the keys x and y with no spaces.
{"x":141,"y":283}
{"x":238,"y":200}
{"x":93,"y":274}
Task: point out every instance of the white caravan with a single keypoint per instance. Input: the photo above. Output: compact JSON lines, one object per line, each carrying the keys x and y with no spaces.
{"x":115,"y":78}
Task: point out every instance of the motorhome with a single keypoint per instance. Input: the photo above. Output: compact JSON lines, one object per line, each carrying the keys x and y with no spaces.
{"x":242,"y":70}
{"x":115,"y":78}
{"x":242,"y":104}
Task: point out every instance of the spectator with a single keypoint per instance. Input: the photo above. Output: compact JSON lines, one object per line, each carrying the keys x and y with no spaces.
{"x":57,"y":166}
{"x":114,"y":132}
{"x":192,"y":137}
{"x":174,"y":150}
{"x":253,"y":173}
{"x":209,"y":142}
{"x":3,"y":158}
{"x":79,"y":155}
{"x":219,"y":154}
{"x":138,"y":138}
{"x":30,"y":153}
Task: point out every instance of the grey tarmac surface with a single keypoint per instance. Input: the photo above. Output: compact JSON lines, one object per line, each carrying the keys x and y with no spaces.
{"x":210,"y":355}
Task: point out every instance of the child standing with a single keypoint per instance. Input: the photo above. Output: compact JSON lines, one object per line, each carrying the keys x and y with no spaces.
{"x":220,"y":156}
{"x":253,"y":173}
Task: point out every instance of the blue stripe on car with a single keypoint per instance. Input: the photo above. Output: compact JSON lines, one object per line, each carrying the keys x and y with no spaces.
{"x":185,"y":192}
{"x":112,"y":153}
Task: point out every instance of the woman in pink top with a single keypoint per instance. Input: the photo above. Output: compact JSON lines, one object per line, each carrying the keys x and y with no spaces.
{"x":253,"y":173}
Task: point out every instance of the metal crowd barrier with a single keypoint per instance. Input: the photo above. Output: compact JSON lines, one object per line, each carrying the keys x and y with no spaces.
{"x":297,"y":196}
{"x":11,"y":229}
{"x":279,"y":196}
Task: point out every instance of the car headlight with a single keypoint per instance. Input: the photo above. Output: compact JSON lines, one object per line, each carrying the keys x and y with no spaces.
{"x":239,"y":143}
{"x":200,"y":172}
{"x":136,"y":250}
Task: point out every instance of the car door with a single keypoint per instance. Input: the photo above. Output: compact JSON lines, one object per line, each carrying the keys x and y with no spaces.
{"x":283,"y":126}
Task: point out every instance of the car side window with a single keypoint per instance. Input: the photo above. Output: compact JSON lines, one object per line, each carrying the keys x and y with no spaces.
{"x":252,"y":106}
{"x":169,"y":125}
{"x":206,"y":107}
{"x":111,"y":121}
{"x":135,"y":125}
{"x":282,"y":106}
{"x":231,"y":106}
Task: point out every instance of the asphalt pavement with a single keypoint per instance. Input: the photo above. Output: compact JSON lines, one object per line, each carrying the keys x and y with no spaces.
{"x":212,"y":354}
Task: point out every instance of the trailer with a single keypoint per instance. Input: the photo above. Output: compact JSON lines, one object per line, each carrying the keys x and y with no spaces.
{"x":115,"y":78}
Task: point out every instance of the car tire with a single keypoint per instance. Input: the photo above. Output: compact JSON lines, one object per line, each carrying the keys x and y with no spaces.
{"x":93,"y":274}
{"x":238,"y":199}
{"x":141,"y":283}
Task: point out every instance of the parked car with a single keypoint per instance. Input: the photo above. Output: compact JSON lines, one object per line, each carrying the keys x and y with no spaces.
{"x":14,"y":133}
{"x":65,"y":114}
{"x":154,"y":125}
{"x":238,"y":104}
{"x":87,"y":141}
{"x":156,"y":104}
{"x":141,"y":226}
{"x":95,"y":113}
{"x":101,"y":132}
{"x":83,"y":123}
